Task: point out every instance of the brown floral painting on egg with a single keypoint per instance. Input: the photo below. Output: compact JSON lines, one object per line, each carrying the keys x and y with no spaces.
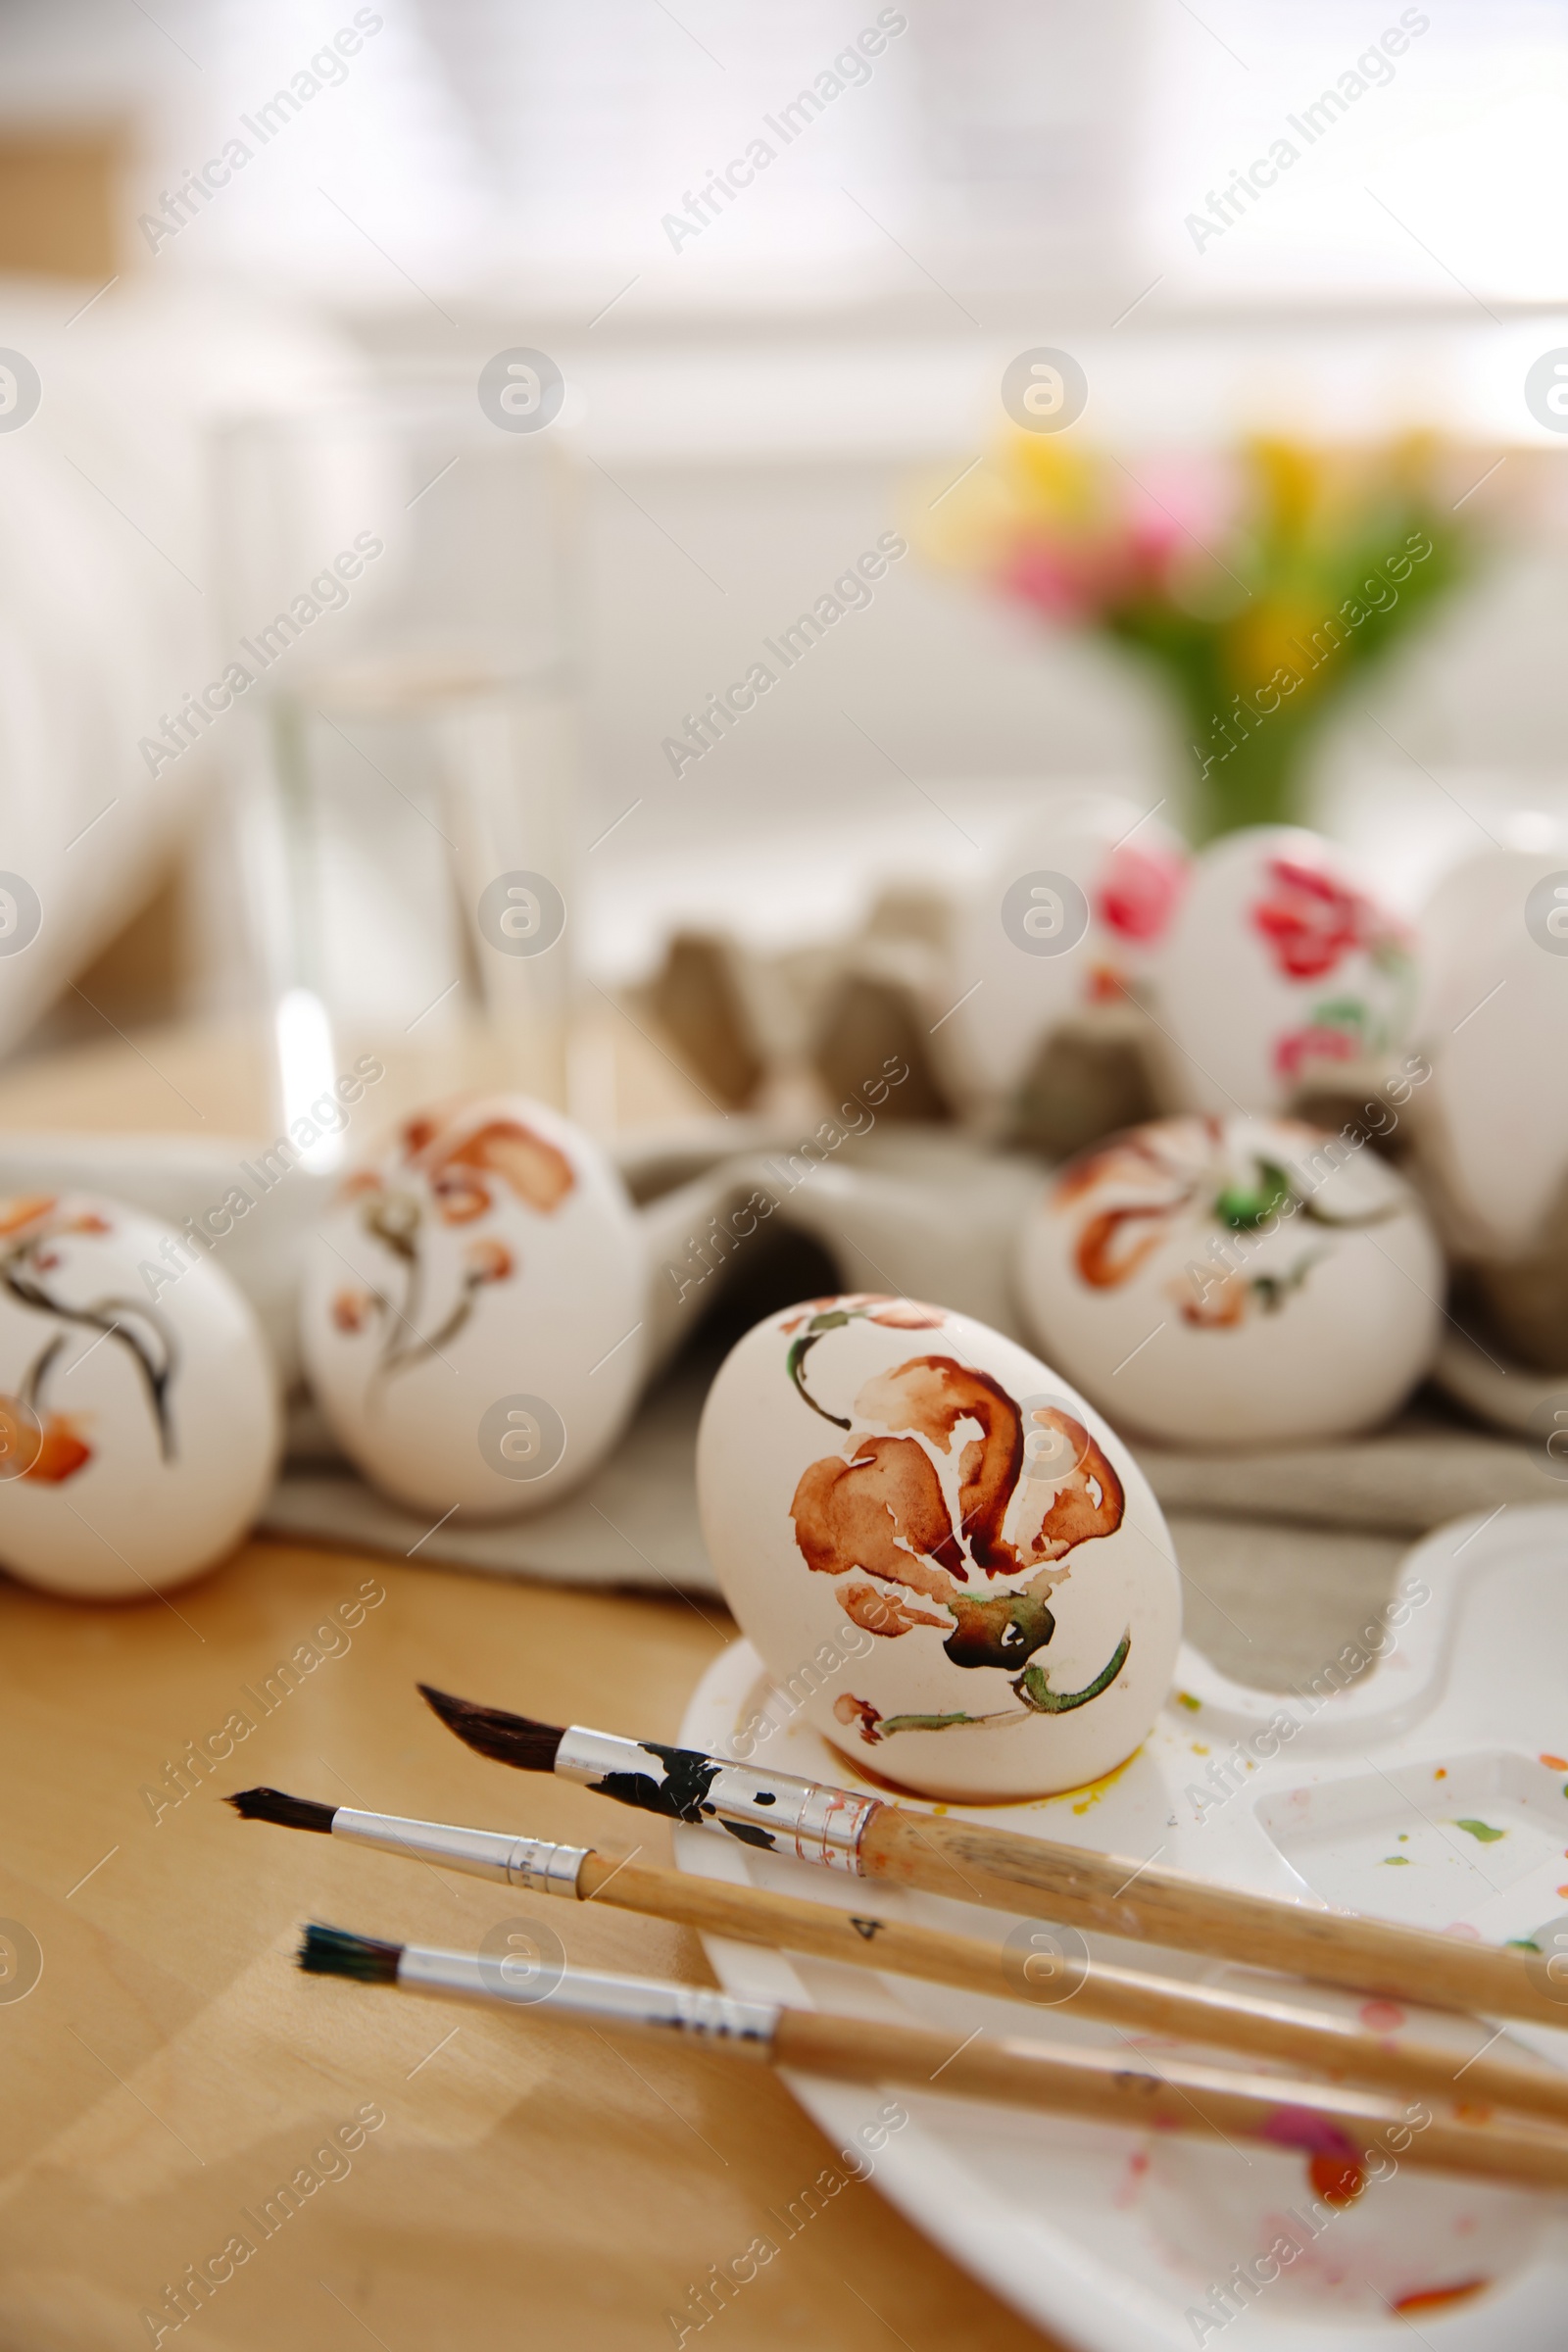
{"x":36,"y":1443}
{"x":1172,"y":1168}
{"x":462,"y":1173}
{"x":46,"y":1452}
{"x":877,"y":1515}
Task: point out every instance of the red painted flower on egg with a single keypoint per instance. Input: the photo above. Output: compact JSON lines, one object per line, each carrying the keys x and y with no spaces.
{"x":1319,"y":1041}
{"x":1310,"y":920}
{"x":1138,"y":892}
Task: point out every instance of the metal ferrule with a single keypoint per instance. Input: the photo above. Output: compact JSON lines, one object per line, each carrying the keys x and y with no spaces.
{"x":809,"y":1819}
{"x":530,"y":1862}
{"x":586,"y":1992}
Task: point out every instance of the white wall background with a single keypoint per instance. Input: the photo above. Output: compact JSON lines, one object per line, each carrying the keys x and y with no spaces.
{"x":748,"y":413}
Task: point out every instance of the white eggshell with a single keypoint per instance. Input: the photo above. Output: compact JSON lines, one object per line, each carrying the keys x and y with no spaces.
{"x":1279,"y":957}
{"x":1494,"y":1028}
{"x":880,"y":1480}
{"x":1015,"y":997}
{"x":139,"y":1424}
{"x":1234,"y":1282}
{"x":471,"y":1311}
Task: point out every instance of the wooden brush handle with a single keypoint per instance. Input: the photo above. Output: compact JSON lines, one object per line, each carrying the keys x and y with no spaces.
{"x":1041,"y":1879}
{"x":1105,"y":2089}
{"x":1147,"y":2004}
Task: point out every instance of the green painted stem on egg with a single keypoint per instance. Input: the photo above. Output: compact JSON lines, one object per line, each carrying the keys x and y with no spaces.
{"x":925,"y":1722}
{"x":799,"y":1349}
{"x":1035,"y":1691}
{"x":1032,"y":1687}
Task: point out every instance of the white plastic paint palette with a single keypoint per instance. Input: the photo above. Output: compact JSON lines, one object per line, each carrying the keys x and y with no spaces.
{"x":1110,"y":2241}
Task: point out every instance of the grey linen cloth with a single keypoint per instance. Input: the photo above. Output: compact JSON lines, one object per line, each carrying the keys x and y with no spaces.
{"x":1284,"y":1555}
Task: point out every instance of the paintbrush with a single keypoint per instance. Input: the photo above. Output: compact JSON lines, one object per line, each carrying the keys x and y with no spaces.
{"x":1038,"y":1876}
{"x":1120,"y":1996}
{"x":1352,"y":2126}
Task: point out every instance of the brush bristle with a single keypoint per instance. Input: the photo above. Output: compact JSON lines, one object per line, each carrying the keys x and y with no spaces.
{"x":334,"y":1952}
{"x":509,"y":1739}
{"x":289,"y":1812}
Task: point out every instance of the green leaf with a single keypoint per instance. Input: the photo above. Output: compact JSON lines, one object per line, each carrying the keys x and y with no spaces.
{"x":1243,"y":1209}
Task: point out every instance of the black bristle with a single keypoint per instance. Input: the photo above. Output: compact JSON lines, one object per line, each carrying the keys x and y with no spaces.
{"x":334,"y":1952}
{"x":509,"y":1739}
{"x":289,"y":1812}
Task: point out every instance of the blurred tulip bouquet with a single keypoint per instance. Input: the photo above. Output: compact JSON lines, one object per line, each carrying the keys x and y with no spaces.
{"x":1258,"y":587}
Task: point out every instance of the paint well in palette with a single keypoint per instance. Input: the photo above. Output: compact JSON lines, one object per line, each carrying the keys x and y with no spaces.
{"x":1428,"y":1850}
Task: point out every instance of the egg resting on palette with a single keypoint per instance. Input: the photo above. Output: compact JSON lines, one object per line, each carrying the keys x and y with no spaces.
{"x":139,"y":1424}
{"x":471,"y":1310}
{"x":1234,"y":1282}
{"x":949,"y":1562}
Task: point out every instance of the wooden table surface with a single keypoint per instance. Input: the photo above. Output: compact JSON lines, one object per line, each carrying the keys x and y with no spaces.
{"x":534,"y":2183}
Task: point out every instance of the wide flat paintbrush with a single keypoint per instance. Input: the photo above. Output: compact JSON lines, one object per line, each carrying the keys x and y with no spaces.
{"x":1351,"y":2125}
{"x":1039,"y":1877}
{"x":1120,"y":1996}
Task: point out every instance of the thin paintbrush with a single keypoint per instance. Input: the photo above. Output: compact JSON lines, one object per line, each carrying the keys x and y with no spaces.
{"x":1120,"y":1996}
{"x":1039,"y":1877}
{"x":1099,"y":2084}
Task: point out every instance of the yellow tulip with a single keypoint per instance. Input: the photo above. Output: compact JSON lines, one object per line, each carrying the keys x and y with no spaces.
{"x":1293,"y":480}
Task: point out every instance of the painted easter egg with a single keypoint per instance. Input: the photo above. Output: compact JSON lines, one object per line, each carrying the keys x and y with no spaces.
{"x":139,"y":1424}
{"x":1234,"y":1282}
{"x":1064,"y":924}
{"x":946,"y":1558}
{"x":471,"y":1311}
{"x":1495,"y":1025}
{"x":1279,"y":959}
